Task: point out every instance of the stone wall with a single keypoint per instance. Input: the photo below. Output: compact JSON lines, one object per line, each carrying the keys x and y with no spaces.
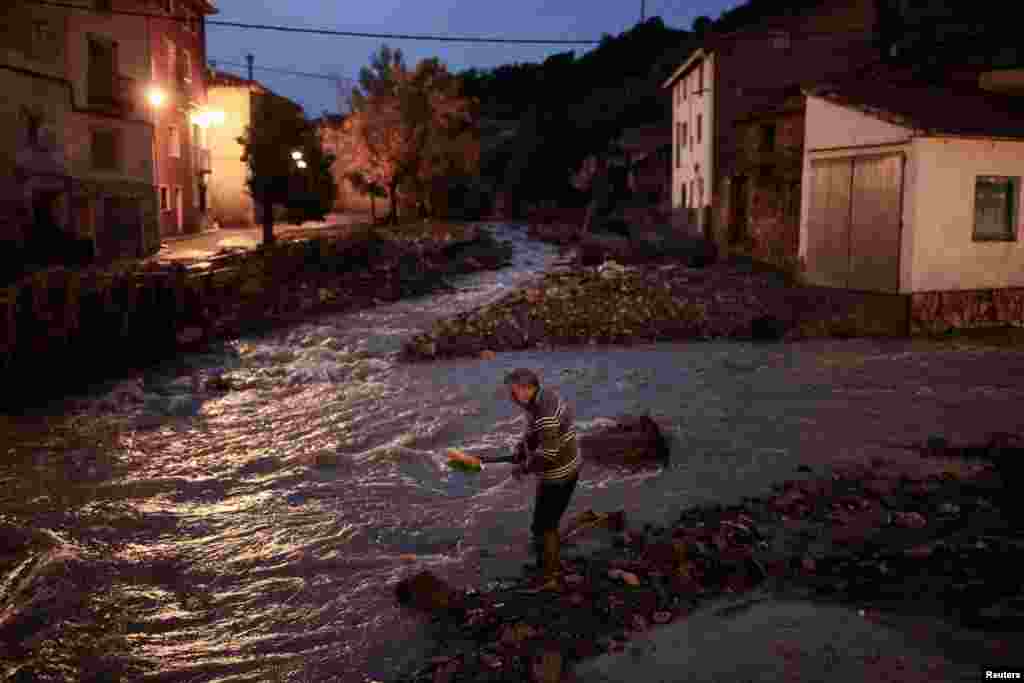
{"x":938,"y":312}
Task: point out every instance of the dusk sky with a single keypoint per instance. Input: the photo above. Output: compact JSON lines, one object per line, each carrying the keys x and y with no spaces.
{"x":527,"y":19}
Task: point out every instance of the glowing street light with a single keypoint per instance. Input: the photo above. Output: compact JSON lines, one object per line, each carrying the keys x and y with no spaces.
{"x":297,"y":155}
{"x":301,"y":164}
{"x":156,"y":96}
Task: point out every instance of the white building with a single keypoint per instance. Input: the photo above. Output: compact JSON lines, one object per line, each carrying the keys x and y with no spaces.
{"x":692,"y":131}
{"x":916,"y":190}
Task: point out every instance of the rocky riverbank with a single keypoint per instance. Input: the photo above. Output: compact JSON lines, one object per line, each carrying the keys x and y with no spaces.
{"x":133,"y":314}
{"x":619,"y":304}
{"x":929,"y":540}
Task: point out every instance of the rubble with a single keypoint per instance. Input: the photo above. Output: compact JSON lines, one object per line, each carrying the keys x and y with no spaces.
{"x":952,"y":563}
{"x":615,"y":302}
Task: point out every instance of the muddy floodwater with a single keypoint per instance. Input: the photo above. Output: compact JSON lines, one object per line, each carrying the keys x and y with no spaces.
{"x":234,"y":557}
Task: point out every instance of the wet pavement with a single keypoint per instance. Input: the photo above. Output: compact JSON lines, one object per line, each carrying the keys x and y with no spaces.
{"x":195,"y":248}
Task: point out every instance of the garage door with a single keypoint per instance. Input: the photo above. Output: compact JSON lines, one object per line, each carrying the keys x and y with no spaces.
{"x":854,"y":222}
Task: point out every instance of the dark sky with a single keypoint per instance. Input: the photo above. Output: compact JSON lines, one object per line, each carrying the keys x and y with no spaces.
{"x":530,"y":19}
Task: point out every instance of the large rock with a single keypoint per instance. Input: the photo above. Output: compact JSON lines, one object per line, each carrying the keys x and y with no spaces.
{"x":632,"y":442}
{"x":426,"y":592}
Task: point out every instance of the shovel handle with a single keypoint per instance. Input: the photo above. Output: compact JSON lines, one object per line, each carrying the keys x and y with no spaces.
{"x":498,"y":460}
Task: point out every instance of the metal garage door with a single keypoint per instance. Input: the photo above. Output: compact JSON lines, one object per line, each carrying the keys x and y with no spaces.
{"x":854,"y":222}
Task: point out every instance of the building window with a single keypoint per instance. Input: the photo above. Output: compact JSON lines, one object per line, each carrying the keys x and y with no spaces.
{"x":679,"y":144}
{"x":683,"y":86}
{"x":699,"y":126}
{"x":691,"y":191}
{"x":700,"y":77}
{"x":685,"y":134}
{"x":682,"y":193}
{"x":165,"y":198}
{"x":174,"y":142}
{"x":106,"y":150}
{"x":33,"y":126}
{"x":102,"y":71}
{"x":996,"y":208}
{"x":172,"y":59}
{"x":768,"y":137}
{"x":186,"y":66}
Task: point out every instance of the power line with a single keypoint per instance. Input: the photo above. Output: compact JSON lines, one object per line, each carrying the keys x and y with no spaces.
{"x":306,"y":74}
{"x":327,"y":32}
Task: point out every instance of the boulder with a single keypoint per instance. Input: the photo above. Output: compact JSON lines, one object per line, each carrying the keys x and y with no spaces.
{"x":632,"y":442}
{"x":426,"y":592}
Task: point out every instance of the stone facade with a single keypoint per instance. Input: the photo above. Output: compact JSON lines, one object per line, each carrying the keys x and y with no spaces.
{"x":749,"y":71}
{"x":937,"y":312}
{"x":763,"y":198}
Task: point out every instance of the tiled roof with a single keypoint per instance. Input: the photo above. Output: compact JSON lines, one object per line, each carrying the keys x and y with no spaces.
{"x":946,"y":109}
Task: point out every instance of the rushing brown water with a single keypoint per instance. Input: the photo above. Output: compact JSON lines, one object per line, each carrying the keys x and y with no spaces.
{"x":237,"y":558}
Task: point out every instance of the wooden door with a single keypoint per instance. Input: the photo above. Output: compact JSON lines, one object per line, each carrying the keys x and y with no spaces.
{"x":875,"y":223}
{"x":828,"y":225}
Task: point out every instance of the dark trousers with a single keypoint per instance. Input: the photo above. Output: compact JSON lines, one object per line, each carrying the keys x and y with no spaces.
{"x":551,"y":502}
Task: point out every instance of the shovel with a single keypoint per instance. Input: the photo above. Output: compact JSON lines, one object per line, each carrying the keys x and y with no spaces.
{"x":457,"y":460}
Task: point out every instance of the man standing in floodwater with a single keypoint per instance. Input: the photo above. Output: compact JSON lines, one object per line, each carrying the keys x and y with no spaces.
{"x":549,"y":450}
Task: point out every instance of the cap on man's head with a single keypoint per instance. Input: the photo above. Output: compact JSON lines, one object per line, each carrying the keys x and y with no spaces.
{"x":523,"y":376}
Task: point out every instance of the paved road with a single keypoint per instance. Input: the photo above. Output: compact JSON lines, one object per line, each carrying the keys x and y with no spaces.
{"x":197,"y":248}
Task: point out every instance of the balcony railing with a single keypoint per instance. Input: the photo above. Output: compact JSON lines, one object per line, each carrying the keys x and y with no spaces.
{"x":201,"y":160}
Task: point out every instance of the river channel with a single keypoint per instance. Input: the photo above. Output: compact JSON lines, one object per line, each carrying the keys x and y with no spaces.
{"x":236,"y":555}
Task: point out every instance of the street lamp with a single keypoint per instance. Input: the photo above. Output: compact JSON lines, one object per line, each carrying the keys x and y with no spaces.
{"x":156,"y":97}
{"x":301,"y":164}
{"x":297,"y":156}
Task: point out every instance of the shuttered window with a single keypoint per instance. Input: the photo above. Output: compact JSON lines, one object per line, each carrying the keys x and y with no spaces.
{"x":996,"y":208}
{"x":106,"y":150}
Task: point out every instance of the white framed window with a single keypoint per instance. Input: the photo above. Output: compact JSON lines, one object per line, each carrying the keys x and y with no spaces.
{"x":996,"y":208}
{"x":165,"y":198}
{"x":685,"y":133}
{"x":174,"y":142}
{"x":699,"y":126}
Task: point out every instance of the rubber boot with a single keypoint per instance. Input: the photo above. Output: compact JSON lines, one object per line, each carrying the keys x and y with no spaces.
{"x":551,"y":564}
{"x":551,"y":558}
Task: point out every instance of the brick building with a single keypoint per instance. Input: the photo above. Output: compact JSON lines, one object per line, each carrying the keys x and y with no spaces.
{"x":182,"y":155}
{"x":78,"y":177}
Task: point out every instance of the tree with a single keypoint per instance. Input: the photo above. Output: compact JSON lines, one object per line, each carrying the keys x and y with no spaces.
{"x":278,"y":130}
{"x":413,"y":128}
{"x":363,"y":185}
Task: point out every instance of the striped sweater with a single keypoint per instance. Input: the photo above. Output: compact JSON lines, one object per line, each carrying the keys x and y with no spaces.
{"x":550,"y":436}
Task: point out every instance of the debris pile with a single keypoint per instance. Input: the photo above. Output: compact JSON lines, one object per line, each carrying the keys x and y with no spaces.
{"x":614,"y":303}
